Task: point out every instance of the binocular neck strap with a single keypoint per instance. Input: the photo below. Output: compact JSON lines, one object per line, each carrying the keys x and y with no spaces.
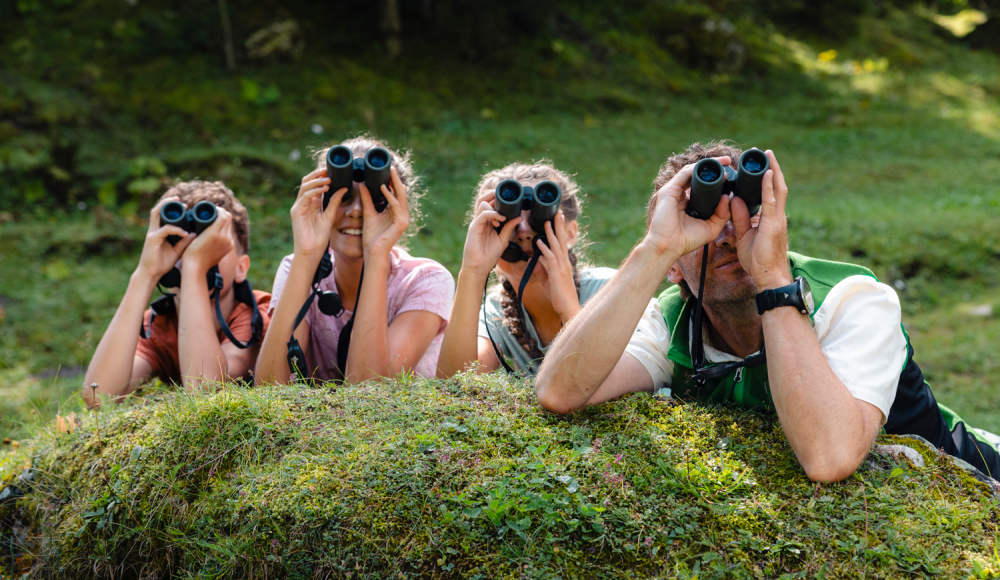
{"x":344,"y":341}
{"x":243,"y":294}
{"x":703,"y":373}
{"x":296,"y":357}
{"x":520,"y":292}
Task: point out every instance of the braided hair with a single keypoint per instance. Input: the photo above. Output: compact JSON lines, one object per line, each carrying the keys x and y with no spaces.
{"x":571,"y":206}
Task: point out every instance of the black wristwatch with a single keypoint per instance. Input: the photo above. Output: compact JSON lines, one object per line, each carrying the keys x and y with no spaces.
{"x":797,"y":294}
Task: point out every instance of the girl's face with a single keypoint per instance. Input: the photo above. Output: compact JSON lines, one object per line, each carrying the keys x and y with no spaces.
{"x":523,"y":236}
{"x":345,"y":237}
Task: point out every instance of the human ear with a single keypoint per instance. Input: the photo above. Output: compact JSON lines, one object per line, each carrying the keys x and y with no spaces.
{"x":674,"y":274}
{"x":573,"y":232}
{"x":242,"y":268}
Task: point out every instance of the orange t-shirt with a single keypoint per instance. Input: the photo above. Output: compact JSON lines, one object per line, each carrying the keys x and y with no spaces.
{"x":160,"y":349}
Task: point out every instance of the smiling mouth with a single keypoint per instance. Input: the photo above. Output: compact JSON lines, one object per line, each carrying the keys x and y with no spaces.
{"x":350,"y":232}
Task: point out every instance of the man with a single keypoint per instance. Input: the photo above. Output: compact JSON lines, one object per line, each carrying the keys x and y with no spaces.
{"x":835,"y":374}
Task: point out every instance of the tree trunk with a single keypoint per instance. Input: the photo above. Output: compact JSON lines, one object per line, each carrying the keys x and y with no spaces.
{"x":227,"y":35}
{"x":391,"y":27}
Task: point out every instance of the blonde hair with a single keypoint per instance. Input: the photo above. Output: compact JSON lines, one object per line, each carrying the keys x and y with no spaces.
{"x":401,"y":160}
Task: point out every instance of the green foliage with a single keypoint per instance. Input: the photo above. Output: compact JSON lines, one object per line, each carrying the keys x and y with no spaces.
{"x":468,"y":478}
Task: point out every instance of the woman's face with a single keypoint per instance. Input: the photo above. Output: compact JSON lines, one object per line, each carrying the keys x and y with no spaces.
{"x":345,"y":237}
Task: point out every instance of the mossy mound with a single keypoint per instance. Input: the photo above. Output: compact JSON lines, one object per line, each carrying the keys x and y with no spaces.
{"x":468,"y":478}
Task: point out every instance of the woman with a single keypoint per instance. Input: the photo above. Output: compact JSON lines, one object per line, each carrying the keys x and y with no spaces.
{"x":555,"y":291}
{"x":399,"y":323}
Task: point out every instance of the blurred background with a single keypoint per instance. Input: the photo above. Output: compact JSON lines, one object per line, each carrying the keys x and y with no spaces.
{"x":884,"y":115}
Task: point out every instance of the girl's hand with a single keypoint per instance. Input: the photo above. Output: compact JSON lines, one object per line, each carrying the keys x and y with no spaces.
{"x":158,"y":255}
{"x":381,"y":231}
{"x":561,"y":288}
{"x":483,"y":244}
{"x":311,"y":225}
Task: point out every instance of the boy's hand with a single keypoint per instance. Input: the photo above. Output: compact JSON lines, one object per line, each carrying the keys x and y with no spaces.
{"x":211,"y":245}
{"x":483,"y":244}
{"x":158,"y":255}
{"x":381,"y":231}
{"x":562,"y":289}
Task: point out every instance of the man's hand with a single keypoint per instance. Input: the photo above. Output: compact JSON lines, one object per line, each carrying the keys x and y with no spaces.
{"x":671,"y":230}
{"x":158,"y":255}
{"x":562,"y":290}
{"x":381,"y":231}
{"x":483,"y":244}
{"x":311,"y":225}
{"x":211,"y":245}
{"x":763,"y":250}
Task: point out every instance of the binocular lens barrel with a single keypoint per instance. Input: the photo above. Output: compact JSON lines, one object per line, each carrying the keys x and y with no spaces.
{"x":750,"y":177}
{"x":509,"y":199}
{"x":707,"y":183}
{"x":545,"y":205}
{"x":340,"y":170}
{"x":202,"y":215}
{"x":172,"y":213}
{"x":377,"y":174}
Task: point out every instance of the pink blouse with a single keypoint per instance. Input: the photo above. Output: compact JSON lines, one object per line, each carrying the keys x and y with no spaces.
{"x":413,"y":284}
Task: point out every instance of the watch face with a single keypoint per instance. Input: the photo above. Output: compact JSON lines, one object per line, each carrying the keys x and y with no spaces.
{"x":807,"y":295}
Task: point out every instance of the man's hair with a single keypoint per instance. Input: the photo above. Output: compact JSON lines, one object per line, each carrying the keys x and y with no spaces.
{"x":191,"y":192}
{"x":694,"y":153}
{"x":402,"y":161}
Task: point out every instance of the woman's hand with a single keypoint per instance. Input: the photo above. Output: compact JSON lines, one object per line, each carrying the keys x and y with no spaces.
{"x":561,"y":287}
{"x":311,"y":224}
{"x":483,"y":244}
{"x":159,"y":255}
{"x":381,"y":231}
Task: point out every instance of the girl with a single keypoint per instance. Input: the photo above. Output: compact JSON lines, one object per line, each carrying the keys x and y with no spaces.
{"x":404,"y":309}
{"x":555,"y":291}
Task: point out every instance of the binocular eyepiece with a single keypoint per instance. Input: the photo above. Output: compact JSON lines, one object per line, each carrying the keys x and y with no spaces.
{"x":194,"y":220}
{"x":542,"y":200}
{"x":711,"y":180}
{"x":373,"y":170}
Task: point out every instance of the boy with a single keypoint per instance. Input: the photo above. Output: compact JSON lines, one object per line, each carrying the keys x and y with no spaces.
{"x":185,"y":344}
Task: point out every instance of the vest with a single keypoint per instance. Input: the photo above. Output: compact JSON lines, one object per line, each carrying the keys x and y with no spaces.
{"x":914,"y":410}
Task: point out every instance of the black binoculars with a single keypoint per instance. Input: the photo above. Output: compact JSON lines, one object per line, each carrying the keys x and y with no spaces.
{"x":343,"y":170}
{"x":542,"y":200}
{"x":711,"y":180}
{"x":194,"y":220}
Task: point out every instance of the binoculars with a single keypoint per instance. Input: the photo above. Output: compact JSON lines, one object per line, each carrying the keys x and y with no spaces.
{"x":711,"y":180}
{"x":343,"y":170}
{"x":194,"y":220}
{"x":542,"y":200}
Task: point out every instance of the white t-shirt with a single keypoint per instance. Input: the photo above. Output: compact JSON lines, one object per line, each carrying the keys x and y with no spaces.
{"x":858,"y":328}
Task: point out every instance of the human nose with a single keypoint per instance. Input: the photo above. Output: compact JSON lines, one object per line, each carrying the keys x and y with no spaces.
{"x":524,"y":232}
{"x":727,"y":237}
{"x":356,"y":209}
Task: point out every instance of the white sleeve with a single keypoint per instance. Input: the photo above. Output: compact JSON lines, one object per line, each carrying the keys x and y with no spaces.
{"x":650,"y":343}
{"x":858,"y":327}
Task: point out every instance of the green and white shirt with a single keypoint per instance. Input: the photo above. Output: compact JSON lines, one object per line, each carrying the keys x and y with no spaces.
{"x":591,"y":280}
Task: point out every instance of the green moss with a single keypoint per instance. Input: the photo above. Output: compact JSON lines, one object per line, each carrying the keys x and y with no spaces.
{"x":469,"y":478}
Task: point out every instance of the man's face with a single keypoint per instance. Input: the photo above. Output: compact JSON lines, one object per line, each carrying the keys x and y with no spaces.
{"x":727,"y":284}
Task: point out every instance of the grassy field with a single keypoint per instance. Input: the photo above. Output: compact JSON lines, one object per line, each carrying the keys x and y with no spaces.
{"x":894,"y":165}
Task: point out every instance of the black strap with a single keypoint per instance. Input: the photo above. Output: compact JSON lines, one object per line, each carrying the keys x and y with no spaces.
{"x":344,"y":341}
{"x":500,"y":356}
{"x":162,"y":305}
{"x":242,"y":292}
{"x":704,"y":373}
{"x":296,"y":357}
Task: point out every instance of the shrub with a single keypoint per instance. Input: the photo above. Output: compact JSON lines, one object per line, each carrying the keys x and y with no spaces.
{"x":467,"y":478}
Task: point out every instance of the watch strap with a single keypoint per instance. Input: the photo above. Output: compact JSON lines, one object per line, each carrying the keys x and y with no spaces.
{"x":790,"y":295}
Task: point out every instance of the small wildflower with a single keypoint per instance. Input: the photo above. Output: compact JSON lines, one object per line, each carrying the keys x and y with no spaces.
{"x":649,"y":541}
